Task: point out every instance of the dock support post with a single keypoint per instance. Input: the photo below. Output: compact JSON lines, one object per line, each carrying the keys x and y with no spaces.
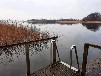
{"x":53,"y":52}
{"x":27,"y":59}
{"x":85,"y":54}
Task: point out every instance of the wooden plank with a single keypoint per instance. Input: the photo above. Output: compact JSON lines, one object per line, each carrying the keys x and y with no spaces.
{"x":73,"y":68}
{"x":58,"y":69}
{"x":94,"y":68}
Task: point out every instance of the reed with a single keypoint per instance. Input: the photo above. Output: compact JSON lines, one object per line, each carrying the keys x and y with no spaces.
{"x":14,"y":33}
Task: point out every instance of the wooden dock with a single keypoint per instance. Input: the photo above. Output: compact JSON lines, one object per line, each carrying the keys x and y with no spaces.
{"x":58,"y":69}
{"x":63,"y":69}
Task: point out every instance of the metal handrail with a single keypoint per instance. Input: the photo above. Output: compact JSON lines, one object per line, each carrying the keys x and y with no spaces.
{"x":74,"y":47}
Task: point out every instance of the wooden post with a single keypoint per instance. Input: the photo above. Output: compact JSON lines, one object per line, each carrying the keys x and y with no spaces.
{"x":27,"y":59}
{"x":53,"y":52}
{"x":71,"y":58}
{"x":86,"y":47}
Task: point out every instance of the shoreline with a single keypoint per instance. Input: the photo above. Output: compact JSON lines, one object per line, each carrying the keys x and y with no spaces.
{"x":76,"y":22}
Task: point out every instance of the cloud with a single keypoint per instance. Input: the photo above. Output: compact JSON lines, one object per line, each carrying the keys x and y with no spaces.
{"x":11,"y":14}
{"x":48,"y":8}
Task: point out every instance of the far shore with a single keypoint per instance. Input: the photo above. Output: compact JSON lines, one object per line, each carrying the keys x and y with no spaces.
{"x":76,"y":22}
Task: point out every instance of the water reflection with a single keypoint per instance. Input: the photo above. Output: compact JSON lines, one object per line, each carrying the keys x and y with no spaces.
{"x":77,"y":36}
{"x":92,"y":26}
{"x":16,"y":56}
{"x":51,"y":22}
{"x":9,"y":52}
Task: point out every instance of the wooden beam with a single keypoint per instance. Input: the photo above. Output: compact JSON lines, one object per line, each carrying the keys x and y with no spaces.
{"x":27,"y":42}
{"x":95,"y":46}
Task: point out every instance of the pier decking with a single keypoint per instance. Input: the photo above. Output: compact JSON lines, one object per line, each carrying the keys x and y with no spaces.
{"x":58,"y":69}
{"x":94,"y":68}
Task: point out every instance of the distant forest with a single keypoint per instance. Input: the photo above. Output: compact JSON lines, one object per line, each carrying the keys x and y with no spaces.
{"x":93,"y":17}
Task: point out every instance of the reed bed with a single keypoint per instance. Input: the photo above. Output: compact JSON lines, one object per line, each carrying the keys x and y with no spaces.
{"x":14,"y":33}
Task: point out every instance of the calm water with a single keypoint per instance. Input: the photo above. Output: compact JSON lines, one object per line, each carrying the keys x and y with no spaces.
{"x":13,"y":61}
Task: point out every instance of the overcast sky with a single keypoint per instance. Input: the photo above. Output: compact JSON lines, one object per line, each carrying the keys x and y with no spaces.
{"x":50,"y":9}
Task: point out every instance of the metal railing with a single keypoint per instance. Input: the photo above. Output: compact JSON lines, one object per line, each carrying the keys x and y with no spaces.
{"x":74,"y":47}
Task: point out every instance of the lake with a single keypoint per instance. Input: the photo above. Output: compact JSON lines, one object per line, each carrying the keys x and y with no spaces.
{"x":13,"y":61}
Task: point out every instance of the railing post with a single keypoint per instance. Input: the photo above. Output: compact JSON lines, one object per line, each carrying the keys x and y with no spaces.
{"x":53,"y":52}
{"x":86,"y":47}
{"x":27,"y":59}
